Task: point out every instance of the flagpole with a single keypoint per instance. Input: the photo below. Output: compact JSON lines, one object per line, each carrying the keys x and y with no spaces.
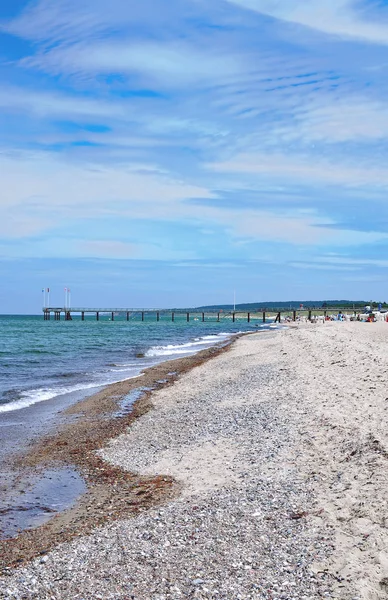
{"x":65,"y":298}
{"x":68,"y":297}
{"x":44,"y":297}
{"x":48,"y":297}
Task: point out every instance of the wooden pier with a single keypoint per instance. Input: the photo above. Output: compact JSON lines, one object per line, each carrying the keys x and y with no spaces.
{"x":187,"y":314}
{"x":158,"y":314}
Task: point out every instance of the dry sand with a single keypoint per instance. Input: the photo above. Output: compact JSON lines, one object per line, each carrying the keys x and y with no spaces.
{"x":281,"y":447}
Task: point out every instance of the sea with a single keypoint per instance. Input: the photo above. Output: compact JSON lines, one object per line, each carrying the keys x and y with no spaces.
{"x":45,"y":366}
{"x":40,"y":360}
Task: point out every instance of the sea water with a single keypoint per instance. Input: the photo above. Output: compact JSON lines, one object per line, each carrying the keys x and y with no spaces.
{"x":40,"y":360}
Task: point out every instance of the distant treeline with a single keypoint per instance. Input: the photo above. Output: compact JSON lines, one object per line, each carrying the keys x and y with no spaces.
{"x":295,"y":305}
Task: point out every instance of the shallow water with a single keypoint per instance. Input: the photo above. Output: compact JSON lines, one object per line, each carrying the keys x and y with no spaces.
{"x":36,"y":498}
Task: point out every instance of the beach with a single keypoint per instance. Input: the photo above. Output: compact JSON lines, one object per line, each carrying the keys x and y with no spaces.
{"x":264,"y":471}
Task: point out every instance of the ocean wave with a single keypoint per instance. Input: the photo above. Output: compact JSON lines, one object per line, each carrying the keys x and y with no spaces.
{"x":40,"y":395}
{"x":30,"y":397}
{"x":188,"y":348}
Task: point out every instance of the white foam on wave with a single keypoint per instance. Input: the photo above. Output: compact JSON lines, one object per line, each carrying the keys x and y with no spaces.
{"x":189,"y":348}
{"x":40,"y":395}
{"x":43,"y":394}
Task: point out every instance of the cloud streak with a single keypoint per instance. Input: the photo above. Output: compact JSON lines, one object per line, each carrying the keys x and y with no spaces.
{"x":345,"y":18}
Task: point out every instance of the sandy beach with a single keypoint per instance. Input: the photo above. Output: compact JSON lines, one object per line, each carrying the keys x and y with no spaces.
{"x":274,"y":459}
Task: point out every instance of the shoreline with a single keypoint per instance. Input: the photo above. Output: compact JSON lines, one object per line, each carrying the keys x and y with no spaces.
{"x":111,"y":492}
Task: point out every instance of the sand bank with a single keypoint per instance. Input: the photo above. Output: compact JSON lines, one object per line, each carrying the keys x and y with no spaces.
{"x":277,"y":452}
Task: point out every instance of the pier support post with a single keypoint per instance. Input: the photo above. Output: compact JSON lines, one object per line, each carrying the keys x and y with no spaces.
{"x":142,"y":315}
{"x":187,"y":317}
{"x":203,"y":317}
{"x":264,"y":317}
{"x":83,"y":316}
{"x":234,"y":317}
{"x":309,"y":316}
{"x":113,"y":316}
{"x":127,"y":316}
{"x":249,"y":317}
{"x":218,"y":317}
{"x":97,"y":316}
{"x":158,"y":316}
{"x":173,"y":317}
{"x":294,"y":315}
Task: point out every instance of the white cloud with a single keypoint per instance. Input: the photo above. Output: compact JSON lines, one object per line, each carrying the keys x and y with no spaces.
{"x":55,"y":190}
{"x":314,"y":266}
{"x":294,"y":229}
{"x":303,"y":169}
{"x":347,"y":260}
{"x":336,"y":17}
{"x":57,"y":193}
{"x":349,"y":118}
{"x":162,"y":63}
{"x":65,"y":20}
{"x":52,"y":104}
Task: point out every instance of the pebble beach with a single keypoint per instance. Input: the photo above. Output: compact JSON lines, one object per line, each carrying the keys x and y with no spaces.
{"x":278,"y":452}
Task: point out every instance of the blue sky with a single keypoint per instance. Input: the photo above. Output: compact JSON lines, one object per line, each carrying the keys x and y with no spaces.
{"x":167,"y":153}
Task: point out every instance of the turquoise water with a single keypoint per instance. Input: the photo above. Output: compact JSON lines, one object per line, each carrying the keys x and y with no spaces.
{"x":40,"y":360}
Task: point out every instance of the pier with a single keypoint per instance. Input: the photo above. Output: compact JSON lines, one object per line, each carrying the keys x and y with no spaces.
{"x":156,"y":314}
{"x":188,"y":314}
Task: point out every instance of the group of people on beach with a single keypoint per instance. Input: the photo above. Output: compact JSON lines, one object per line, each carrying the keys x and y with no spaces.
{"x":370,"y":317}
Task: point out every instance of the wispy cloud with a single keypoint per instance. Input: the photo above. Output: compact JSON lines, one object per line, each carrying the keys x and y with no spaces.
{"x":295,"y":167}
{"x":345,"y":18}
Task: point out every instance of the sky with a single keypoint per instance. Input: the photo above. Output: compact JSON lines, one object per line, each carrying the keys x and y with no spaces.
{"x":165,"y":154}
